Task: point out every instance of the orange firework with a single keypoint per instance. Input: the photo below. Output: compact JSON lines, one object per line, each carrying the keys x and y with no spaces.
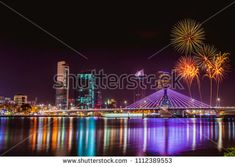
{"x":204,"y":57}
{"x":187,"y":68}
{"x":220,"y":69}
{"x":220,"y":66}
{"x":214,"y":65}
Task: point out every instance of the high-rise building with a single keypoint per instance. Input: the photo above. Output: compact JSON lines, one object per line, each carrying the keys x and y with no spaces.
{"x":2,"y":99}
{"x":139,"y":92}
{"x":62,"y":91}
{"x":98,"y":99}
{"x":85,"y":93}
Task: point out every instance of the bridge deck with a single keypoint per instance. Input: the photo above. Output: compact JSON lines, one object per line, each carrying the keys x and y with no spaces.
{"x":141,"y":109}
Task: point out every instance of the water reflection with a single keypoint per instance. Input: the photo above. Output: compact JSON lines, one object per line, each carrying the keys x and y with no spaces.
{"x":93,"y":136}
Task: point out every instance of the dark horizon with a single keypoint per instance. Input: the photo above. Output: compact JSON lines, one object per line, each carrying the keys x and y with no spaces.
{"x":118,"y":38}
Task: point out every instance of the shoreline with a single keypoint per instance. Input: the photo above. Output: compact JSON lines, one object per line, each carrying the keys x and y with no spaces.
{"x":75,"y":116}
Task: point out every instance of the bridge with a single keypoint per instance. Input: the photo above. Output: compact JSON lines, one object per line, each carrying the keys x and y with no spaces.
{"x":170,"y":99}
{"x":135,"y":109}
{"x":162,"y":100}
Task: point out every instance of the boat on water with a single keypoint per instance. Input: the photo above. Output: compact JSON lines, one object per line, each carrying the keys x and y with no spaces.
{"x":122,"y":115}
{"x":130,"y":115}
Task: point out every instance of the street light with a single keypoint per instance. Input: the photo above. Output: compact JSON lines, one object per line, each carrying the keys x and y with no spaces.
{"x":218,"y":102}
{"x":106,"y":104}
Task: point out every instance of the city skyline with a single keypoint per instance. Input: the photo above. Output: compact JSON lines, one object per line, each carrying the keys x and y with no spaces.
{"x":30,"y":60}
{"x":97,"y":83}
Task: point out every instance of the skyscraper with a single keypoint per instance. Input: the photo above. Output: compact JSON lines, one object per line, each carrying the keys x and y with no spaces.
{"x":98,"y":99}
{"x":62,"y":92}
{"x":85,"y":93}
{"x":139,"y":92}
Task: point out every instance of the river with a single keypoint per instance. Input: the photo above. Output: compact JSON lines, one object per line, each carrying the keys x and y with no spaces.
{"x":65,"y":136}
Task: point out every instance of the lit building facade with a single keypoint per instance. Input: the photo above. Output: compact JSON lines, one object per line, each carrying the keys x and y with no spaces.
{"x":2,"y":99}
{"x":111,"y":103}
{"x":62,"y":92}
{"x":20,"y":99}
{"x":85,"y":93}
{"x":98,"y":99}
{"x":139,"y":92}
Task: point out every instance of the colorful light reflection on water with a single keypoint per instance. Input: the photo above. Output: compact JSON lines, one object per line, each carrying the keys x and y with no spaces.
{"x":93,"y":136}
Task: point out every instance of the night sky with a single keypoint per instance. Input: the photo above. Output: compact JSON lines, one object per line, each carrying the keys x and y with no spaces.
{"x":116,"y":37}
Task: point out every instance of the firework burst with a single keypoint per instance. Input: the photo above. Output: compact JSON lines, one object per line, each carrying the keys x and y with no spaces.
{"x":221,"y":66}
{"x":187,"y":35}
{"x":187,"y":68}
{"x":204,"y":55}
{"x":214,"y":65}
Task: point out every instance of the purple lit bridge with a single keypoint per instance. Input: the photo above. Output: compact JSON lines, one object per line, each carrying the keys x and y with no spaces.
{"x":167,"y":98}
{"x":164,"y":100}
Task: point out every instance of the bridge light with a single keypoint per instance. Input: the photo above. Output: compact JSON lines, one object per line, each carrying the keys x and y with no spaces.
{"x":218,"y":102}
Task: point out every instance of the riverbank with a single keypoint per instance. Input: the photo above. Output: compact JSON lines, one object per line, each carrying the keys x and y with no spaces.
{"x":113,"y":116}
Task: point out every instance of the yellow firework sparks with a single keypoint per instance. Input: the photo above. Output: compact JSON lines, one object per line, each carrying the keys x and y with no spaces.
{"x":187,"y":35}
{"x":220,"y":67}
{"x":215,"y":66}
{"x":204,"y":55}
{"x":187,"y":69}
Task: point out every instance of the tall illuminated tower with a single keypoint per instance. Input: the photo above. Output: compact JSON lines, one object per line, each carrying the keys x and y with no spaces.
{"x":62,"y":93}
{"x":164,"y":83}
{"x":85,"y":93}
{"x":139,"y":92}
